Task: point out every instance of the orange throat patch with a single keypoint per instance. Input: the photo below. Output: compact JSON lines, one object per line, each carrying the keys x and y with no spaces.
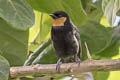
{"x":59,"y":22}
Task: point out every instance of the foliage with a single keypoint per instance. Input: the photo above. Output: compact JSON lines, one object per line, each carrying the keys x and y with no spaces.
{"x":4,"y":68}
{"x":19,"y":41}
{"x":17,"y":13}
{"x":110,"y":8}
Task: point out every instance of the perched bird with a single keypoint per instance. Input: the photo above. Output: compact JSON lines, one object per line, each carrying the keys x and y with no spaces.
{"x":65,"y":38}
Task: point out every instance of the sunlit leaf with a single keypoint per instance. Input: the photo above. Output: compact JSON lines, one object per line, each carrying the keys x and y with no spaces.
{"x":45,"y":28}
{"x":33,"y":31}
{"x":110,"y":8}
{"x":41,"y":30}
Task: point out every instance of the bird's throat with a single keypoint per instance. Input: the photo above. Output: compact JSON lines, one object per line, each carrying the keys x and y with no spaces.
{"x":58,"y":22}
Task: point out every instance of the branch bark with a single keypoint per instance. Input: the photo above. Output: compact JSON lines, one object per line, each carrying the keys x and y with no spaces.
{"x":50,"y":69}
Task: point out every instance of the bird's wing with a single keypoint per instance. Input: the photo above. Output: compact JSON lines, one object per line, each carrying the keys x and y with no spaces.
{"x":77,"y":35}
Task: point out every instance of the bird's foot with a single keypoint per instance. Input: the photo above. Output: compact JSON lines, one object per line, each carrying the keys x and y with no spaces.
{"x":58,"y":65}
{"x":77,"y":60}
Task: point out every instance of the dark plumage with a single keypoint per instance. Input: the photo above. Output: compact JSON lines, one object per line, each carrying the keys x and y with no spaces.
{"x":65,"y":38}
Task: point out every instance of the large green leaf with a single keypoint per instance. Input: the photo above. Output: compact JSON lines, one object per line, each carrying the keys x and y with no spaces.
{"x":112,"y":51}
{"x":110,"y":8}
{"x":72,"y":7}
{"x":17,"y":13}
{"x":97,"y":37}
{"x":113,"y":48}
{"x":13,"y":43}
{"x":4,"y":68}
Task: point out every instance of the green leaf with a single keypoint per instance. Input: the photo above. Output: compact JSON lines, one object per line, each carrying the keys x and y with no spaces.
{"x":37,"y":52}
{"x":101,"y":75}
{"x":4,"y":68}
{"x":112,"y":51}
{"x":72,"y":7}
{"x":14,"y":44}
{"x":41,"y":30}
{"x":95,"y":15}
{"x":17,"y":13}
{"x":110,"y":8}
{"x":45,"y":28}
{"x":47,"y":56}
{"x":93,"y":10}
{"x":113,"y":48}
{"x":85,"y":3}
{"x":116,"y":34}
{"x":97,"y":37}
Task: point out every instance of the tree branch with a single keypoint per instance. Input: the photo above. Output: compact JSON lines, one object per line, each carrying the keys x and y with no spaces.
{"x":50,"y":69}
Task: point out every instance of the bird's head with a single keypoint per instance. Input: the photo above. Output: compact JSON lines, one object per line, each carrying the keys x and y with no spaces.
{"x":59,"y":18}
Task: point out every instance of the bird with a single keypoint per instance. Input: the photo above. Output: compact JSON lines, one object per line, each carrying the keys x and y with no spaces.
{"x":65,"y":38}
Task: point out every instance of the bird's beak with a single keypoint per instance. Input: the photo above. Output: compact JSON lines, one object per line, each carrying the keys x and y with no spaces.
{"x":53,"y":16}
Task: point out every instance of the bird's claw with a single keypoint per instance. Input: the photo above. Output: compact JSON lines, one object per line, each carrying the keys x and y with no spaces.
{"x":58,"y":66}
{"x":78,"y":62}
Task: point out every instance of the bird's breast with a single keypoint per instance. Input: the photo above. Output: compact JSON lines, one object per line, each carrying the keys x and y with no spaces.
{"x":65,"y":43}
